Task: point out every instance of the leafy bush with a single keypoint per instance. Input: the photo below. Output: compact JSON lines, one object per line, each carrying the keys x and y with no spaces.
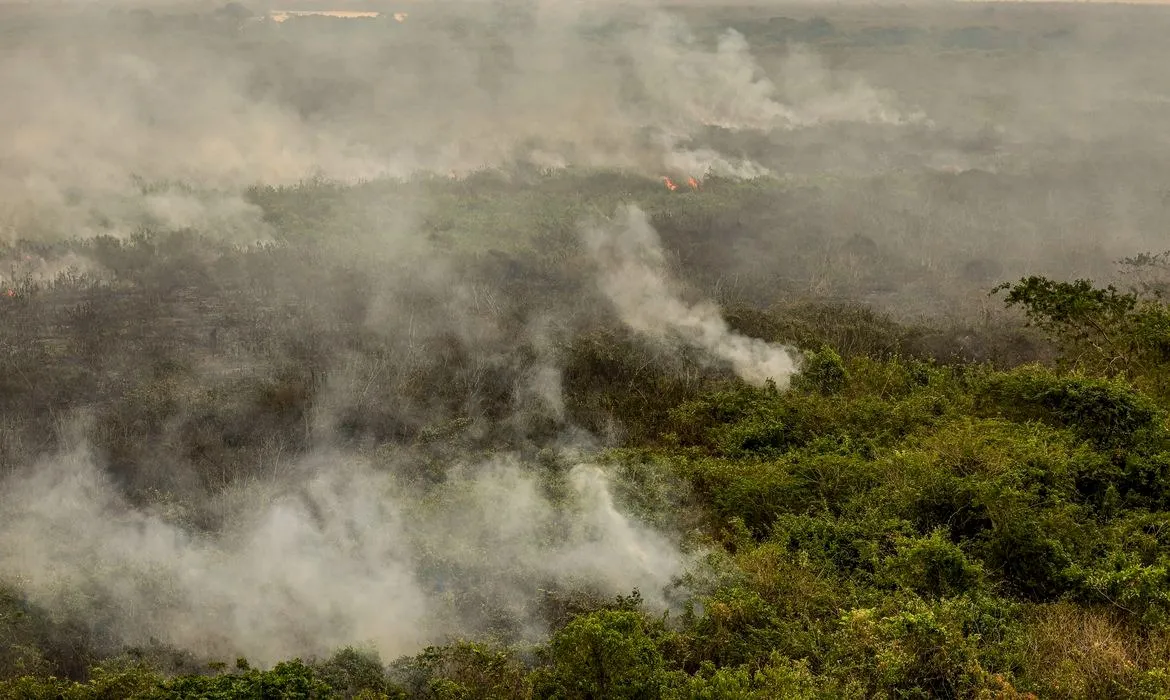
{"x":607,"y":654}
{"x":932,"y":566}
{"x":1107,"y":412}
{"x":823,"y":371}
{"x":463,"y":670}
{"x":349,"y":673}
{"x":293,"y":680}
{"x":780,"y":677}
{"x":912,"y":650}
{"x":1099,"y":329}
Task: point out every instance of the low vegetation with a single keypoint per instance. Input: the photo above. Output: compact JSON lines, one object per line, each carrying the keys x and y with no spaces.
{"x":897,"y":523}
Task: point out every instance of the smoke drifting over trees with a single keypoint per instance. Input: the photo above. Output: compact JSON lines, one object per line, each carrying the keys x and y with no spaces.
{"x":393,"y":332}
{"x":91,"y":114}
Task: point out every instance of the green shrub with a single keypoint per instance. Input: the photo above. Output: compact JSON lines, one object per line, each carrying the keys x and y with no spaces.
{"x":932,"y":566}
{"x":908,"y":650}
{"x":1109,"y":413}
{"x":289,"y":680}
{"x":734,"y":422}
{"x":1031,"y":560}
{"x":463,"y":670}
{"x":607,"y":654}
{"x":755,"y":492}
{"x":823,"y":371}
{"x":736,"y":627}
{"x":350,"y":672}
{"x":1100,"y":329}
{"x":40,"y":688}
{"x":780,"y":677}
{"x":850,"y":546}
{"x":1121,"y":579}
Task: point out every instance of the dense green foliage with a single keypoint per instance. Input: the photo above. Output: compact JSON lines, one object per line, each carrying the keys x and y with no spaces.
{"x":887,"y":527}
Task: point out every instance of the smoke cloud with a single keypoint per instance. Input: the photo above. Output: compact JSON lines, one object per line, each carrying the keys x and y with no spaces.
{"x":343,"y":553}
{"x":633,"y":275}
{"x":222,"y":105}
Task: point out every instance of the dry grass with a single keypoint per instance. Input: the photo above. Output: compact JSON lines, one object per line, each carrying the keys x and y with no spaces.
{"x":1075,"y":652}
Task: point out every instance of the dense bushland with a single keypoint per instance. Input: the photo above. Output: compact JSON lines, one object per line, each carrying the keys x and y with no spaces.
{"x":905,"y":520}
{"x":961,"y":494}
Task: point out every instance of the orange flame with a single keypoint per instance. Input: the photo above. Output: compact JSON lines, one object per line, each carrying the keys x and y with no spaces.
{"x":669,"y":184}
{"x":693,"y":183}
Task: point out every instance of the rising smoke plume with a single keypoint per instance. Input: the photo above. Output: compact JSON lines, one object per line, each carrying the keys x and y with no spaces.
{"x":633,"y":274}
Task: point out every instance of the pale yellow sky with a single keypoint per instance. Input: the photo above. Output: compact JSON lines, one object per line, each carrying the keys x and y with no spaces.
{"x":1078,"y":2}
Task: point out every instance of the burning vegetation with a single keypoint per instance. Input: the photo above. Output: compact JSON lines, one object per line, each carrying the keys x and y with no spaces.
{"x":671,"y":185}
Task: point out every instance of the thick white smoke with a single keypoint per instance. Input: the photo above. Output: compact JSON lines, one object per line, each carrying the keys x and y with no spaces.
{"x":692,"y":85}
{"x":633,"y":274}
{"x":342,"y":554}
{"x":88,"y":116}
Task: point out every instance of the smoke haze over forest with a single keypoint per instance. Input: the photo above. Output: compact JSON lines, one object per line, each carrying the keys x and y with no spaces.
{"x":331,"y":332}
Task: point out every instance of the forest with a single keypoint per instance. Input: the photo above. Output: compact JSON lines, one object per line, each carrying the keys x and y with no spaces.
{"x":710,"y":351}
